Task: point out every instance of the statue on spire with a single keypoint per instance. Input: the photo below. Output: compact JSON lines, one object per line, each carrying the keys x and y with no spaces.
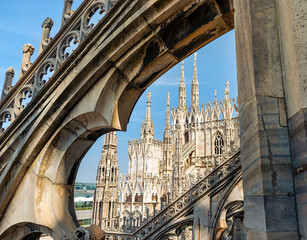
{"x":168,"y":100}
{"x":227,"y":88}
{"x":147,"y":126}
{"x":148,"y":97}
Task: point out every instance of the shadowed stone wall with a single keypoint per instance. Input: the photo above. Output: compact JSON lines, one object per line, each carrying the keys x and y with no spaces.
{"x":271,"y":53}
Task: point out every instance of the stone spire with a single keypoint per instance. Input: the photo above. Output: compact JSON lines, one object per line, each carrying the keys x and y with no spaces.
{"x":215,"y":107}
{"x":167,"y":150}
{"x":147,"y":127}
{"x":195,"y":88}
{"x":110,"y":140}
{"x":148,"y":110}
{"x":167,"y":118}
{"x":106,"y":193}
{"x":182,"y":91}
{"x":227,"y":103}
{"x":108,"y":159}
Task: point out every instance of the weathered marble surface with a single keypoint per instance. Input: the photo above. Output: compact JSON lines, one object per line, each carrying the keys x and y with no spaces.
{"x":95,"y":91}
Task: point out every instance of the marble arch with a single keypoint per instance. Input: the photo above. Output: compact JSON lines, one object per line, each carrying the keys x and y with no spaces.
{"x":137,"y":41}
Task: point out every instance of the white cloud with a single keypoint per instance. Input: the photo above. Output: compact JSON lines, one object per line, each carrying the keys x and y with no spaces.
{"x":167,"y":81}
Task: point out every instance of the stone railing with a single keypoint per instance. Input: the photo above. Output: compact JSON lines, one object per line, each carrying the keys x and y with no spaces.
{"x":181,"y":203}
{"x":54,"y":53}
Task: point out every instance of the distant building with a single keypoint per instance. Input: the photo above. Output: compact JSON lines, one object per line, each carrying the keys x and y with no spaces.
{"x":196,"y":138}
{"x":83,"y":201}
{"x":106,"y":194}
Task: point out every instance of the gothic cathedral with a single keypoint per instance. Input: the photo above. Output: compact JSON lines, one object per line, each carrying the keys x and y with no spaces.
{"x":197,"y":139}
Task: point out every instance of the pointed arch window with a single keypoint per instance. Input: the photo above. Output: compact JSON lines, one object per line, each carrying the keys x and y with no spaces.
{"x":112,"y":175}
{"x":219,"y":144}
{"x":186,"y":137}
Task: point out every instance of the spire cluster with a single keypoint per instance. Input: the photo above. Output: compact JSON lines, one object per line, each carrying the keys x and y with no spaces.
{"x":194,"y":89}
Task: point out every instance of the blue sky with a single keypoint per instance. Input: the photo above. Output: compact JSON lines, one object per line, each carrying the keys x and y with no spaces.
{"x":20,"y":23}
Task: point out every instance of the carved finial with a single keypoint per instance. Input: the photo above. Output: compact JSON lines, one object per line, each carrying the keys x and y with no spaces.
{"x":148,"y":96}
{"x":27,"y":50}
{"x":215,"y":94}
{"x":10,"y":71}
{"x":227,"y":88}
{"x":67,"y":12}
{"x":168,"y":100}
{"x":7,"y":82}
{"x":48,"y":23}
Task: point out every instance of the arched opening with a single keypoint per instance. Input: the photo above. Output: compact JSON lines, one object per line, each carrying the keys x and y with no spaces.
{"x":218,"y":144}
{"x":161,"y":36}
{"x":122,"y":99}
{"x":186,"y":136}
{"x":27,"y":231}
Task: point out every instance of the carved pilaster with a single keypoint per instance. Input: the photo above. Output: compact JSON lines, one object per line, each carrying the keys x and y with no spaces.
{"x":47,"y":25}
{"x":7,"y":82}
{"x":27,"y":51}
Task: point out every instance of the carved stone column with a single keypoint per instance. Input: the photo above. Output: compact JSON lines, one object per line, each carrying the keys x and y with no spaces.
{"x":201,"y":221}
{"x":27,"y":51}
{"x":269,"y":200}
{"x":293,"y":41}
{"x":47,"y":25}
{"x":7,"y":82}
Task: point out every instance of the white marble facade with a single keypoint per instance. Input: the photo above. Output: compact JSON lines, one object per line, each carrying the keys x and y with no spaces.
{"x":196,"y":138}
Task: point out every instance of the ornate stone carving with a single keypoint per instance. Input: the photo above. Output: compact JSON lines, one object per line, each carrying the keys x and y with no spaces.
{"x":97,"y":8}
{"x":231,"y":222}
{"x":27,"y":51}
{"x":47,"y":25}
{"x":47,"y":66}
{"x":184,"y":201}
{"x":72,"y":37}
{"x":51,"y":61}
{"x":81,"y":234}
{"x":7,"y":82}
{"x":67,"y":12}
